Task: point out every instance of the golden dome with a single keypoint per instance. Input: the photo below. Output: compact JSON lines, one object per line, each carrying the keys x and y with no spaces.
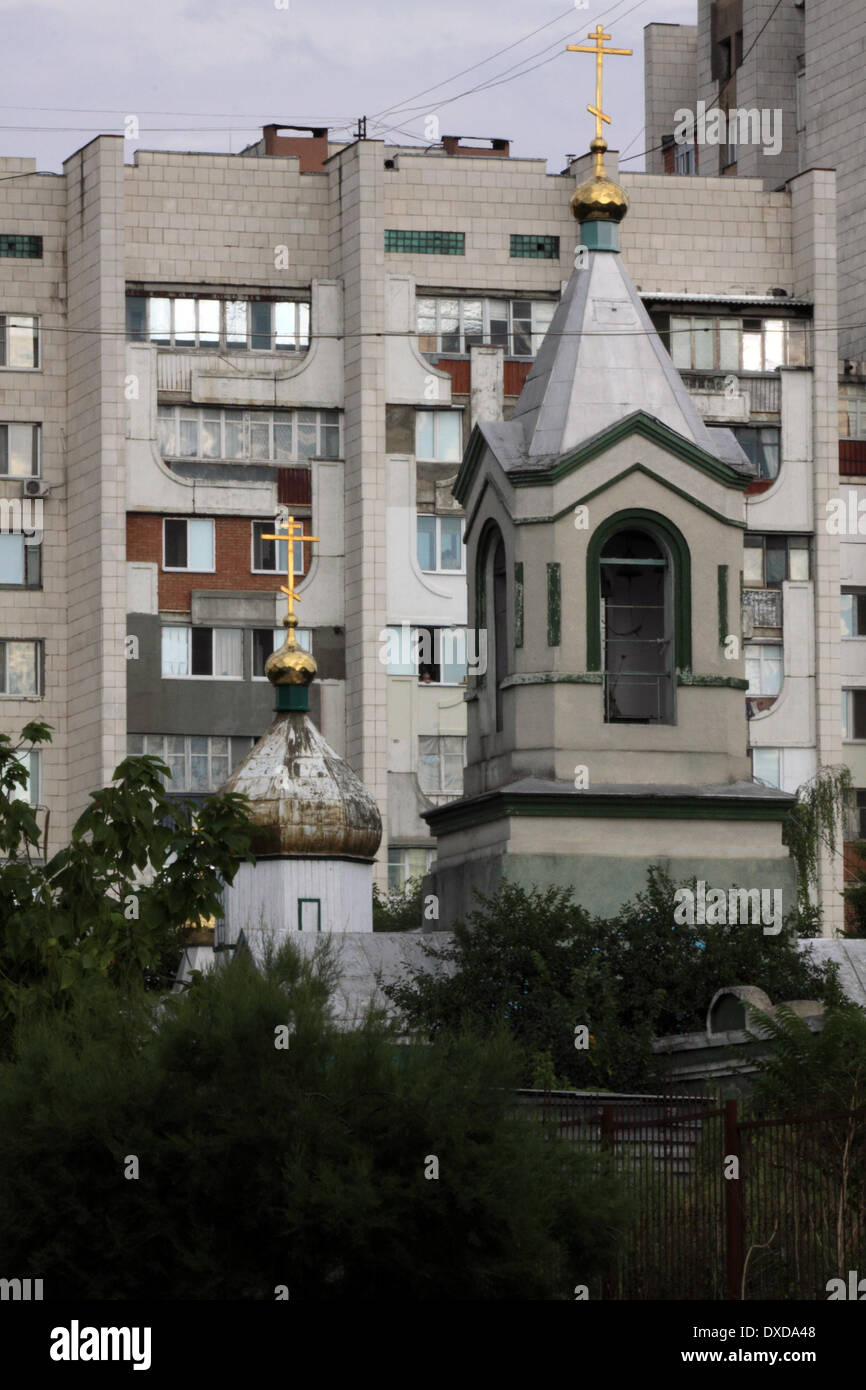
{"x":599,"y":199}
{"x":291,"y":665}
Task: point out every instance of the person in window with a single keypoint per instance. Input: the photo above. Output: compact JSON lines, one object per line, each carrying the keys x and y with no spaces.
{"x":425,"y":675}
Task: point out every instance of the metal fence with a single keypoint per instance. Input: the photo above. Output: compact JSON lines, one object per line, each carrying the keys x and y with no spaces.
{"x":725,"y":1206}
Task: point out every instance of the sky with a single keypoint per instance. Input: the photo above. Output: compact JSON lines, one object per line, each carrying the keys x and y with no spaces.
{"x":207,"y":74}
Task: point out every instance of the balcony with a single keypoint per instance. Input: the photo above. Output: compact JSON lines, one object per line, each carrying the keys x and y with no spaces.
{"x":175,"y":370}
{"x":763,"y":393}
{"x":762,"y":612}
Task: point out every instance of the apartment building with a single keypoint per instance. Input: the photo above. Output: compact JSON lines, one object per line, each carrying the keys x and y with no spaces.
{"x":196,"y":346}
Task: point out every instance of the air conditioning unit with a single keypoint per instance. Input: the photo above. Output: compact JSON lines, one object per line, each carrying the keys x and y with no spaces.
{"x":34,"y":487}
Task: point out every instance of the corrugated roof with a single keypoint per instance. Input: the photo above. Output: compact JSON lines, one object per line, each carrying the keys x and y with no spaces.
{"x":762,"y":299}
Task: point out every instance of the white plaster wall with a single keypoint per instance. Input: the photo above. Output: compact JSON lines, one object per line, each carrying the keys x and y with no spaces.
{"x":265,"y":895}
{"x":409,"y":377}
{"x":142,"y":587}
{"x":415,"y":597}
{"x":321,"y":600}
{"x":787,"y":505}
{"x":791,"y":720}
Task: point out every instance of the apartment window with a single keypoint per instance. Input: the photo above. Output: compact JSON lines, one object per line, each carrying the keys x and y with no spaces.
{"x":762,"y":447}
{"x":800,"y":98}
{"x":425,"y":243}
{"x":196,"y":762}
{"x":252,"y":436}
{"x":20,"y":247}
{"x":856,"y":819}
{"x":188,"y":544}
{"x":441,"y":759}
{"x":534,"y":248}
{"x":763,"y":667}
{"x":766,"y":766}
{"x":19,"y":342}
{"x":708,"y":342}
{"x":257,"y":325}
{"x":267,"y":640}
{"x":853,"y":605}
{"x":769,"y":560}
{"x":19,"y":450}
{"x":684,"y":159}
{"x":272,"y":557}
{"x":436,"y":655}
{"x":856,"y":418}
{"x":453,"y":325}
{"x":440,"y":544}
{"x":853,"y":714}
{"x":439,"y":435}
{"x":31,"y":792}
{"x":406,"y":863}
{"x":20,"y":561}
{"x":203,"y":651}
{"x":20,"y":668}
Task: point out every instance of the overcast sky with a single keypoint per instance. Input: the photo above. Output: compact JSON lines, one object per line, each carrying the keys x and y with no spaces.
{"x":207,"y":74}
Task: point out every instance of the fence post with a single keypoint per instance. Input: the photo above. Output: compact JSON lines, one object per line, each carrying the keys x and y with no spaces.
{"x":733,"y":1203}
{"x":609,"y":1279}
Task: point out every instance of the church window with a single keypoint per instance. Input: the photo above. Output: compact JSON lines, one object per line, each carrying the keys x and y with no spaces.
{"x":441,"y":759}
{"x":439,"y":435}
{"x":500,"y":628}
{"x":636,"y":629}
{"x":440,"y":544}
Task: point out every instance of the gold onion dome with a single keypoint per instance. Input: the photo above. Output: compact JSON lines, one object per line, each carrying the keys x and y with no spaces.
{"x":599,"y":199}
{"x":291,"y":665}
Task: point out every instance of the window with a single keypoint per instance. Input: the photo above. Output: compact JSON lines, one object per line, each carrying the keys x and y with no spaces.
{"x":19,"y":450}
{"x":425,"y":243}
{"x":535,"y":248}
{"x":20,"y":667}
{"x":761,"y":445}
{"x":260,"y":325}
{"x":196,"y":762}
{"x":440,"y":544}
{"x":684,"y":159}
{"x":766,"y":766}
{"x":19,"y":342}
{"x":453,"y":325}
{"x":853,"y":714}
{"x":436,"y":655}
{"x":20,"y":247}
{"x":20,"y":561}
{"x":441,"y":759}
{"x":856,"y":418}
{"x":800,"y":107}
{"x":31,"y":760}
{"x":253,"y":436}
{"x":763,"y":667}
{"x":769,"y":560}
{"x":272,"y":557}
{"x":188,"y":544}
{"x":405,"y":863}
{"x":855,"y":828}
{"x":267,"y":640}
{"x":719,"y":343}
{"x":439,"y":435}
{"x":853,"y":605}
{"x":203,"y":651}
{"x":636,"y":630}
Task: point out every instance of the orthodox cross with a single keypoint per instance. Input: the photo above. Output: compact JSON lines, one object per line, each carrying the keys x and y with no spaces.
{"x":294,"y":532}
{"x":600,"y":54}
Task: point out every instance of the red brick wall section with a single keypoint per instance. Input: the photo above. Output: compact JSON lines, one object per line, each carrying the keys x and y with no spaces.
{"x":233,"y":541}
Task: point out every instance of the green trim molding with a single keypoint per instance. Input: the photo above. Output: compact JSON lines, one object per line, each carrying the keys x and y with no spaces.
{"x":722,"y":573}
{"x":301,"y":902}
{"x":518,"y":604}
{"x":682,"y":582}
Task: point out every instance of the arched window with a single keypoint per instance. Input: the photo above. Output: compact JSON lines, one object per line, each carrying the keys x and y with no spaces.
{"x":637,"y":634}
{"x":491,"y":611}
{"x":500,"y":626}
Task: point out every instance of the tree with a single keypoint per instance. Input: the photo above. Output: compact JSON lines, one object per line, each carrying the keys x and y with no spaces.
{"x":537,"y":961}
{"x":275,"y":1151}
{"x":813,"y":824}
{"x":400,"y":909}
{"x":139,"y":866}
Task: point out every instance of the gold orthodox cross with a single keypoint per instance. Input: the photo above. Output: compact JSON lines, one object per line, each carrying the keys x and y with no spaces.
{"x":600,"y":54}
{"x":294,"y":532}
